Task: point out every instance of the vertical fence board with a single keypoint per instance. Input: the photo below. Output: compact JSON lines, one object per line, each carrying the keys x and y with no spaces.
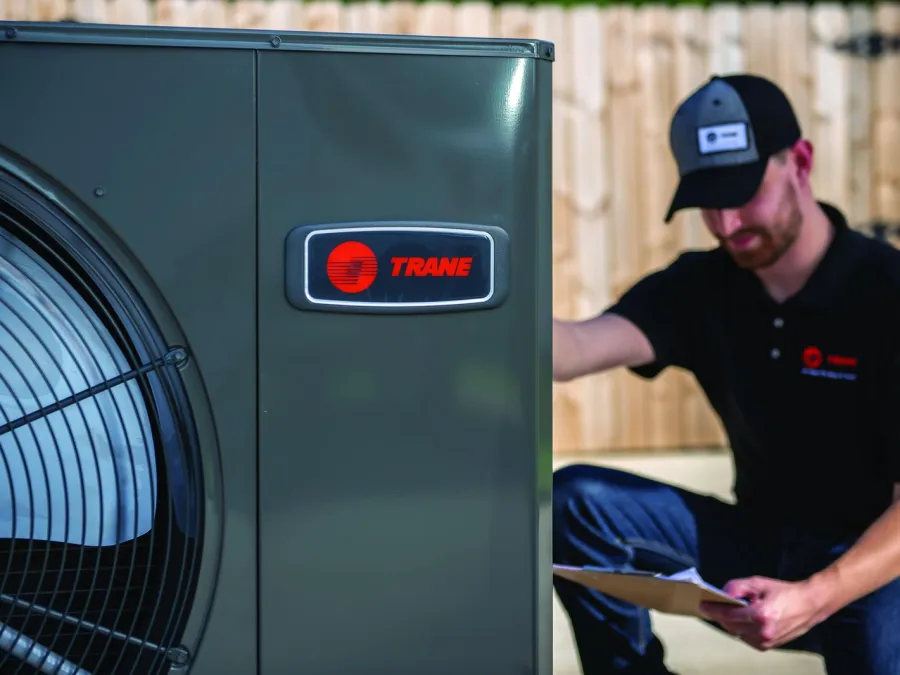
{"x":325,"y":16}
{"x":591,"y":199}
{"x":49,"y":10}
{"x":657,"y":181}
{"x":699,"y":428}
{"x":626,"y":264}
{"x":15,"y":10}
{"x":831,"y":104}
{"x":513,"y":20}
{"x":859,"y":199}
{"x":362,"y":17}
{"x":437,"y":18}
{"x":131,"y":12}
{"x":793,"y":69}
{"x":760,"y":40}
{"x":85,"y":11}
{"x":553,"y":22}
{"x":886,"y":122}
{"x":474,"y":19}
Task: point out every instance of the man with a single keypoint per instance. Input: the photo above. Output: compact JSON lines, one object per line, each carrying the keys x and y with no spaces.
{"x":792,"y":328}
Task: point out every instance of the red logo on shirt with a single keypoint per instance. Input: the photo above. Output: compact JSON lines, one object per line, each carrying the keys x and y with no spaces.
{"x":812,"y":357}
{"x":831,"y":366}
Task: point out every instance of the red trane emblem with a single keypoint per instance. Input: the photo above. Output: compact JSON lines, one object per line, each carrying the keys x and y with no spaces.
{"x":352,"y":267}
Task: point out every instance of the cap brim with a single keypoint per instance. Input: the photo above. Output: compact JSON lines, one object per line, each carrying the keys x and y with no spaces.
{"x":726,"y":187}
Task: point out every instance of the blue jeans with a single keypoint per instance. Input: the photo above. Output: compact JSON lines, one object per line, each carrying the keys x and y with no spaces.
{"x":610,"y":518}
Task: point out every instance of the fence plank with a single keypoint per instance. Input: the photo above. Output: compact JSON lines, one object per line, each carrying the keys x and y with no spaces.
{"x":48,"y":10}
{"x":131,"y":12}
{"x":474,"y":19}
{"x":726,"y":51}
{"x":567,"y":397}
{"x":591,"y":199}
{"x":886,"y":122}
{"x":658,"y":177}
{"x":619,"y":72}
{"x":699,"y":428}
{"x":437,"y":18}
{"x":363,"y":17}
{"x":831,"y":104}
{"x":859,"y":199}
{"x":626,"y":264}
{"x":86,"y":11}
{"x":324,"y":16}
{"x":793,"y":70}
{"x":760,"y":39}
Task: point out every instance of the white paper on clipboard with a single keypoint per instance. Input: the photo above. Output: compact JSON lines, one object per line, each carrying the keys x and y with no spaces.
{"x":679,"y":593}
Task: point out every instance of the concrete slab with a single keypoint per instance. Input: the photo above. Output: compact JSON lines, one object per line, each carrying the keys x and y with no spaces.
{"x":693,"y":647}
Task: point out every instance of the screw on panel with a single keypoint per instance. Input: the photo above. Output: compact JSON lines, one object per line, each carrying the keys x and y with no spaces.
{"x":179,"y":656}
{"x":99,"y":191}
{"x":275,"y":42}
{"x":12,"y":33}
{"x":177,"y":357}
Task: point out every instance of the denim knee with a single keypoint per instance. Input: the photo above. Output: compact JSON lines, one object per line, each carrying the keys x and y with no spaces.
{"x":578,"y":485}
{"x":569,"y":487}
{"x":578,"y":499}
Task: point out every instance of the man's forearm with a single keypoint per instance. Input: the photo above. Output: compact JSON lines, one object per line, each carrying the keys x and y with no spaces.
{"x":872,"y":562}
{"x":563,"y":351}
{"x":598,"y":344}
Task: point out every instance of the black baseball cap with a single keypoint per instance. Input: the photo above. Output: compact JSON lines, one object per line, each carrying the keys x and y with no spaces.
{"x":722,"y":137}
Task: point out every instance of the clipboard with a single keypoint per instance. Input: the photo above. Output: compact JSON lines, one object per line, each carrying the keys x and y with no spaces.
{"x":680,"y":593}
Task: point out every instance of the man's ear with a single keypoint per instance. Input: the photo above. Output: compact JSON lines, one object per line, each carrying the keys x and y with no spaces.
{"x":802,"y":154}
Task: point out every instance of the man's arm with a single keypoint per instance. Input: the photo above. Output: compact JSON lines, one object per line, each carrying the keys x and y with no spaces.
{"x":598,"y":344}
{"x":872,"y":562}
{"x":782,"y":611}
{"x":639,"y":331}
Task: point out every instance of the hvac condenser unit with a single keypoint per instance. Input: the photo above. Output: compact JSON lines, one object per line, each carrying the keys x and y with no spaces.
{"x":274,"y":353}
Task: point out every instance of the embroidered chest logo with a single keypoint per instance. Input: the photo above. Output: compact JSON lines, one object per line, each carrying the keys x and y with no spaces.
{"x":832,"y":366}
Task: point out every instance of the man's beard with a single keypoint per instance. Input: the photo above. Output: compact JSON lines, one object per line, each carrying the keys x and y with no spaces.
{"x":774,"y":241}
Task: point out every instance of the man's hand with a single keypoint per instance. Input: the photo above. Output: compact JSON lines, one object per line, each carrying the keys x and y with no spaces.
{"x":778,"y":611}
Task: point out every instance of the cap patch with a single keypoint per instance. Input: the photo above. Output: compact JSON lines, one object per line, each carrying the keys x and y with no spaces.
{"x":723,"y":138}
{"x":712,"y":129}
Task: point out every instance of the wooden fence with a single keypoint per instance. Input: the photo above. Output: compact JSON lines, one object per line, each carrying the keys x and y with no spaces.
{"x":619,"y":72}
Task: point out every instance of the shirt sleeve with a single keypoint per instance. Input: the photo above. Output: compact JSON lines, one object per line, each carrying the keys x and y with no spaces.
{"x":663,"y":305}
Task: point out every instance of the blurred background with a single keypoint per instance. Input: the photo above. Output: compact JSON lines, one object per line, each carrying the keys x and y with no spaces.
{"x":620,"y":70}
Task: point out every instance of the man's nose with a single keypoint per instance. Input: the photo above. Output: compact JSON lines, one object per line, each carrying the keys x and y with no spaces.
{"x":729,"y":222}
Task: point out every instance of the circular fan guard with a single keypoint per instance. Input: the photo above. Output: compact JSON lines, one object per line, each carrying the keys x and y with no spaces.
{"x":100,"y":476}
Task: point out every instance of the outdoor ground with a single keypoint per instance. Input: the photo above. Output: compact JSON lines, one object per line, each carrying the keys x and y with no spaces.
{"x":693,"y":647}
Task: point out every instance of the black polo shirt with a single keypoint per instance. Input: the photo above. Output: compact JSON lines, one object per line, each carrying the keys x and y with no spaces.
{"x":808,"y":390}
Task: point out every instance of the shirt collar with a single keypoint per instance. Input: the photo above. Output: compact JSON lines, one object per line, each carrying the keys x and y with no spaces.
{"x":828,"y":285}
{"x":826,"y":288}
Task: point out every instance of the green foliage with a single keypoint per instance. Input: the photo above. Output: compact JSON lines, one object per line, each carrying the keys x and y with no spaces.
{"x":661,"y":3}
{"x":646,"y":3}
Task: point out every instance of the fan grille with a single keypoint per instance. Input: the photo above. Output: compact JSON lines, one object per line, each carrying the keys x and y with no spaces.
{"x":100,"y":481}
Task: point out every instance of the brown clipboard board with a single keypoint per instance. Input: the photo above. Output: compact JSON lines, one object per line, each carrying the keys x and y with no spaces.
{"x":680,"y":595}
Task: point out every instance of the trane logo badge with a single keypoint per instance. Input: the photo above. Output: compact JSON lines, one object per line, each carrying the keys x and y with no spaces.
{"x":352,"y":267}
{"x":379,"y":268}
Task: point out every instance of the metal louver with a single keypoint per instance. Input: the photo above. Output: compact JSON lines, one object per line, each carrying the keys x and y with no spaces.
{"x":100,"y":477}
